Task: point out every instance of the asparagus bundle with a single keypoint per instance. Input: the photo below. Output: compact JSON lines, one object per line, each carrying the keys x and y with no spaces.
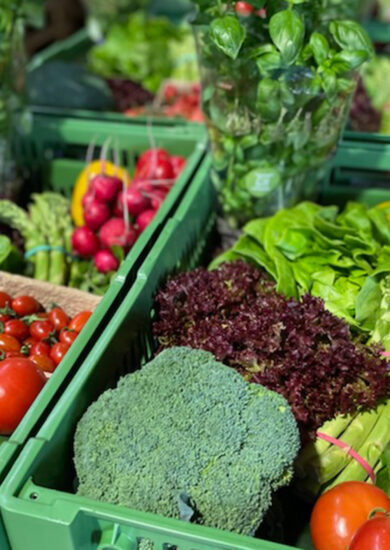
{"x":322,"y":465}
{"x":46,"y":229}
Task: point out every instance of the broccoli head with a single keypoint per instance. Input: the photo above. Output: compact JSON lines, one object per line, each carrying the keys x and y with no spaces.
{"x":187,"y":437}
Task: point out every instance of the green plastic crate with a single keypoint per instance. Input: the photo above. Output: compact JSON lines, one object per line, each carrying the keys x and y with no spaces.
{"x":52,"y":155}
{"x":36,"y":500}
{"x":378,"y":31}
{"x":74,"y":49}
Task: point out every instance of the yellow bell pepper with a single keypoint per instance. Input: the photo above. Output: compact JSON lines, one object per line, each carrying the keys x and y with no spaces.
{"x":81,"y":185}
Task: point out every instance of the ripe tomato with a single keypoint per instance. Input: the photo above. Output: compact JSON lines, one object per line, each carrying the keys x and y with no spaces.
{"x":30,"y":342}
{"x":58,"y":318}
{"x":4,"y":318}
{"x":9,"y":343}
{"x":40,"y":348}
{"x":373,"y":535}
{"x":79,"y":320}
{"x":41,"y":330}
{"x":244,"y":8}
{"x":339,"y":513}
{"x":44,"y":362}
{"x":17,"y":329}
{"x":5,"y":299}
{"x":58,"y":352}
{"x":20,"y":382}
{"x":25,"y":305}
{"x":68,"y":336}
{"x":13,"y":354}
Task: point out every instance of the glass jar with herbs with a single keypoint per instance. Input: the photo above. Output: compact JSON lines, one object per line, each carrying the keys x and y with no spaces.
{"x":276,"y":93}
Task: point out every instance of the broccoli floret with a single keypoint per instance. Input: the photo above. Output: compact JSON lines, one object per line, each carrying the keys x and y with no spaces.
{"x":187,"y":437}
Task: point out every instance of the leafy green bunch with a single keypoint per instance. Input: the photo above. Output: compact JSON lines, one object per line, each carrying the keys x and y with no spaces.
{"x":276,"y":90}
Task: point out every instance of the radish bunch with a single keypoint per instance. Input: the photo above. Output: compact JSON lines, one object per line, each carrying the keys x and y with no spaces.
{"x":115,"y":215}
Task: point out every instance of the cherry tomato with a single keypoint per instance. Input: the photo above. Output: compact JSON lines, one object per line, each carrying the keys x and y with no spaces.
{"x":9,"y":343}
{"x":58,"y":352}
{"x":79,"y":320}
{"x":44,"y":362}
{"x":58,"y":318}
{"x":25,"y":305}
{"x":20,"y":382}
{"x":30,"y":342}
{"x":5,"y":299}
{"x":41,"y":330}
{"x":244,"y":8}
{"x":4,"y":318}
{"x":339,"y":513}
{"x":40,"y":348}
{"x":13,"y":354}
{"x":17,"y":329}
{"x":374,"y":534}
{"x":68,"y":336}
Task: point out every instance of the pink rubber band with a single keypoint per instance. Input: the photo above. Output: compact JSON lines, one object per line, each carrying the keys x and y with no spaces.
{"x":351,"y":452}
{"x":385,"y":353}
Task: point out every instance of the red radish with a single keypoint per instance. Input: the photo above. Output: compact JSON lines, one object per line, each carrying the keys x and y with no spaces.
{"x":96,"y":214}
{"x":87,"y":199}
{"x":84,"y":242}
{"x":136,"y":201}
{"x":145,"y":219}
{"x":170,"y":92}
{"x":157,"y":197}
{"x":114,"y":233}
{"x":155,"y":170}
{"x":152,"y":155}
{"x":178,"y":164}
{"x":106,"y":188}
{"x":105,"y":261}
{"x":118,"y":206}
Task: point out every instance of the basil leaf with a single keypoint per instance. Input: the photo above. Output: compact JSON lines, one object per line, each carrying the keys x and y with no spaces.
{"x":268,"y":99}
{"x":348,"y":60}
{"x":228,"y":35}
{"x":329,"y":81}
{"x":319,"y":46}
{"x":260,"y":182}
{"x":269,"y":62}
{"x":287,"y":31}
{"x":349,"y":35}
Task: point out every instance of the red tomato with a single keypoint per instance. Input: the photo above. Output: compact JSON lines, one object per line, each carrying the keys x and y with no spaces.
{"x":9,"y":343}
{"x":68,"y":336}
{"x":4,"y":318}
{"x":79,"y":320}
{"x":41,"y":330}
{"x":17,"y":329}
{"x":244,"y":8}
{"x":373,"y":535}
{"x":44,"y":362}
{"x":25,"y":305}
{"x":13,"y":354}
{"x":58,"y":318}
{"x":40,"y":348}
{"x":339,"y":513}
{"x":58,"y":352}
{"x":5,"y":299}
{"x":20,"y":382}
{"x":30,"y":342}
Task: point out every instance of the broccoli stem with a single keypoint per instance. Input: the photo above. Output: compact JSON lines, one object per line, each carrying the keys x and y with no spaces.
{"x":371,"y":449}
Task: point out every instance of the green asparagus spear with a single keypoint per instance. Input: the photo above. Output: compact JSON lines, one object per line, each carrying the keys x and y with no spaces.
{"x":370,"y":450}
{"x":335,"y":459}
{"x":41,"y":257}
{"x":313,"y":451}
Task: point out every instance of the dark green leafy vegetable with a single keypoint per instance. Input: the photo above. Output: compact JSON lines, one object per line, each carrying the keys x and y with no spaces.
{"x":276,"y":91}
{"x":10,"y":258}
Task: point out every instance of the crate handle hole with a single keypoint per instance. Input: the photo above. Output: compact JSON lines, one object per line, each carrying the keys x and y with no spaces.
{"x":34,"y":496}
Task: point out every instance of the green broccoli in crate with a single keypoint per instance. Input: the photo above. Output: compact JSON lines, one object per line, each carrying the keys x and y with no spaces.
{"x":187,"y":437}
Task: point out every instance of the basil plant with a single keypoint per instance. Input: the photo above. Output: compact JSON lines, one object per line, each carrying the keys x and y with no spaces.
{"x":277,"y":80}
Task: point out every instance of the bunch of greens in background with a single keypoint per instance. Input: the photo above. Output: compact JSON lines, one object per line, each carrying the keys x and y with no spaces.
{"x":102,"y":13}
{"x":275,"y":95}
{"x":375,"y":78}
{"x":344,"y":258}
{"x":10,"y":257}
{"x":137,"y":49}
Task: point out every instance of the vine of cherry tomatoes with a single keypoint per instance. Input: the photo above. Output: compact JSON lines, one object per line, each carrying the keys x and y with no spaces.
{"x":27,"y":331}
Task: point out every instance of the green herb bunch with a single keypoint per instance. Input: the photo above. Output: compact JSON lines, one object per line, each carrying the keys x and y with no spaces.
{"x":276,"y":89}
